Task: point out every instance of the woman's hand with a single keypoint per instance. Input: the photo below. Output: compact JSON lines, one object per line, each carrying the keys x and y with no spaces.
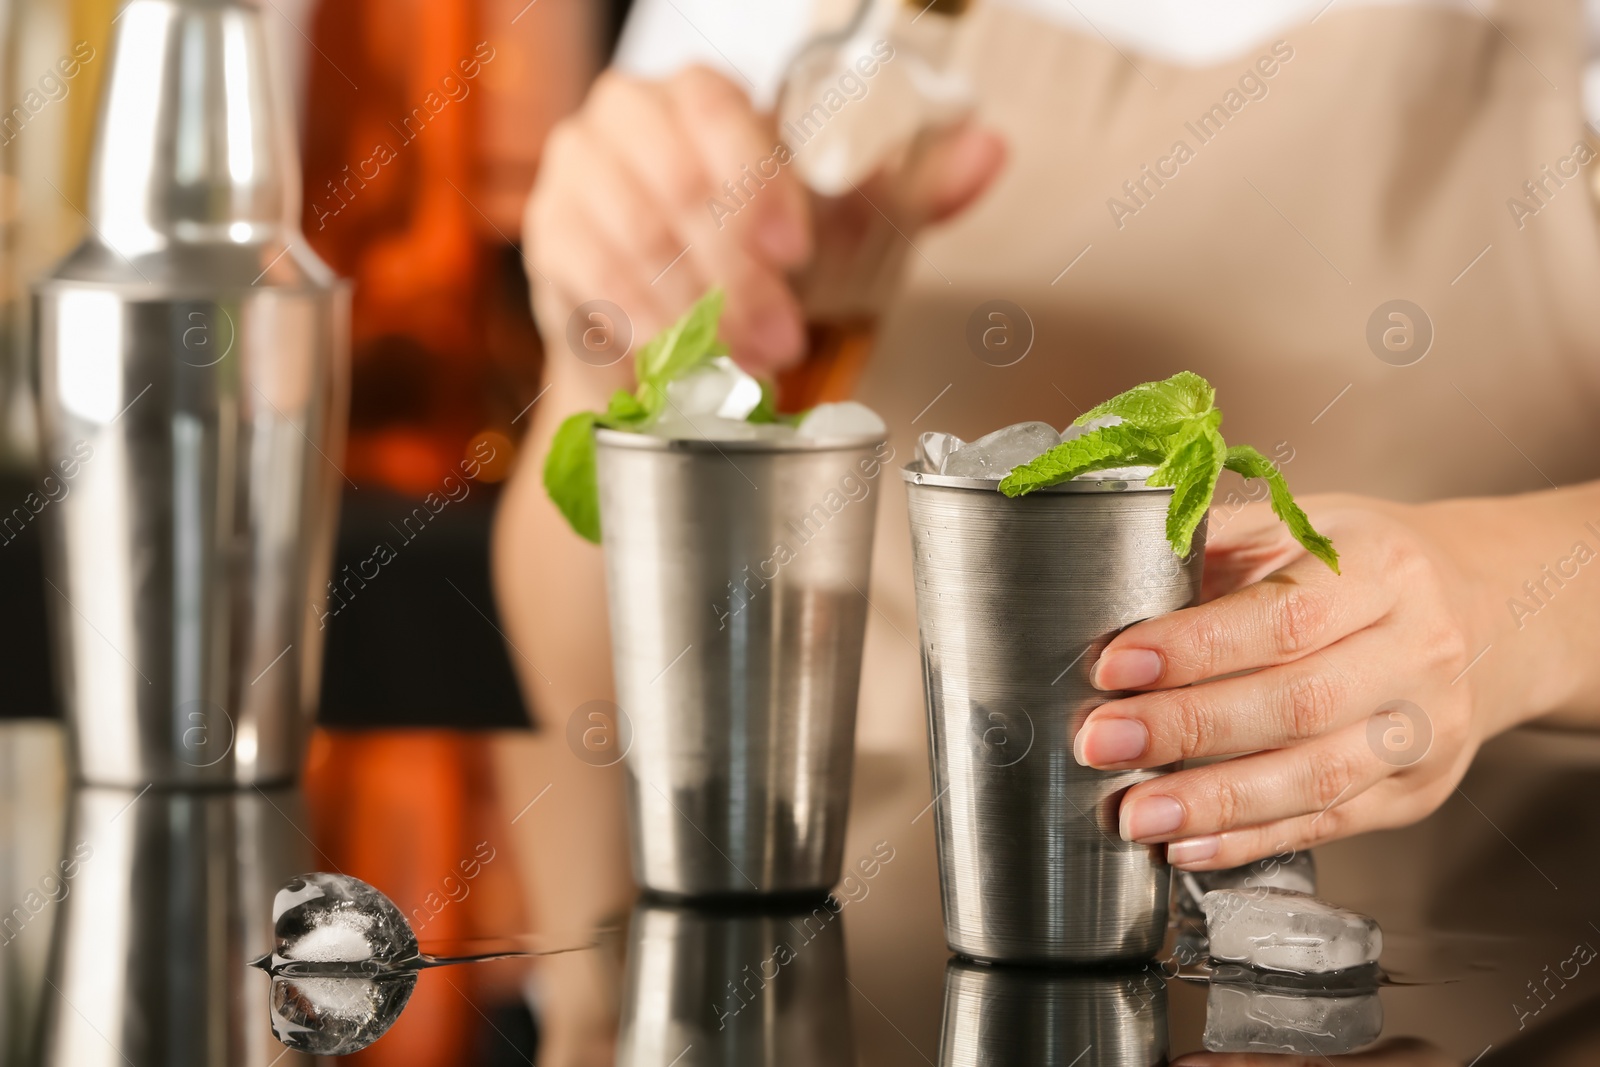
{"x":656,"y":190}
{"x":1368,"y":695}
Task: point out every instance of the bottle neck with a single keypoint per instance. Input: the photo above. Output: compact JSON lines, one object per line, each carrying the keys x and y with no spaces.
{"x":193,"y":145}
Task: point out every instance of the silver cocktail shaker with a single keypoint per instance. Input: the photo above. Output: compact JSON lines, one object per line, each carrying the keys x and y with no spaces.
{"x":193,"y":359}
{"x":1015,"y":600}
{"x":736,"y":576}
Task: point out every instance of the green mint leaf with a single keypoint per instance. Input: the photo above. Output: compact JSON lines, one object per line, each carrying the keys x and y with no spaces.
{"x":1159,"y":407}
{"x":682,"y":347}
{"x":1244,"y":460}
{"x":1123,"y":445}
{"x":624,"y":412}
{"x":767,"y":410}
{"x":1191,"y":468}
{"x":569,"y":474}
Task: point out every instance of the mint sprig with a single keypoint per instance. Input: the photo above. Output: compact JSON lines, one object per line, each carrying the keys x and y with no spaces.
{"x":686,"y":346}
{"x":1175,"y":426}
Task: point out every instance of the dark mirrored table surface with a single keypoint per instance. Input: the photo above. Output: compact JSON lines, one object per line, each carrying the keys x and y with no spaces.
{"x":1489,"y":909}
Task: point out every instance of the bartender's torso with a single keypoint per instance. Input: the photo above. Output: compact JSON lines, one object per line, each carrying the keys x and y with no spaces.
{"x":1243,"y":190}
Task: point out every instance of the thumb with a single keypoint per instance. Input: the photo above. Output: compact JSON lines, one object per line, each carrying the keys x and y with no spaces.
{"x":953,"y":170}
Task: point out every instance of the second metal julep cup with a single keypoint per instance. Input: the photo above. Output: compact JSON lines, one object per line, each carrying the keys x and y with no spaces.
{"x":1015,"y":600}
{"x":736,"y":575}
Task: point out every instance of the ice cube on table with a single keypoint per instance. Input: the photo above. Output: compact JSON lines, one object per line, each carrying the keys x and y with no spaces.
{"x":340,"y":937}
{"x":1297,"y":873}
{"x":844,"y":419}
{"x":933,"y":447}
{"x":1242,"y":1018}
{"x":330,"y":918}
{"x":994,"y":455}
{"x":1280,"y":930}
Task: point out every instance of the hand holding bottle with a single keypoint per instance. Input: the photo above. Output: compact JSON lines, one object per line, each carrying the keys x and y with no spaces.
{"x":631,"y":206}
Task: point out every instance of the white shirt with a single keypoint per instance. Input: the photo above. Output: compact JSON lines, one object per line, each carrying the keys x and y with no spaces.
{"x":751,"y":42}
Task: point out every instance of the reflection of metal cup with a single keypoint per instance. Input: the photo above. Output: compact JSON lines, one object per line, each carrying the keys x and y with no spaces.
{"x":169,"y":899}
{"x":191,"y":361}
{"x":737,"y":576}
{"x":1003,"y":1016}
{"x":1015,"y":598}
{"x":754,"y":988}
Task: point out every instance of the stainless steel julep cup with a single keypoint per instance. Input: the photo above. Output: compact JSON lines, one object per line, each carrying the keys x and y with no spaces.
{"x":1015,"y":599}
{"x":192,"y":363}
{"x":736,"y":576}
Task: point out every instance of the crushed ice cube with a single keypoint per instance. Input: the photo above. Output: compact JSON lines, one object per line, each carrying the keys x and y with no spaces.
{"x":994,"y":455}
{"x":1298,"y":873}
{"x":1279,"y":930}
{"x":1072,"y":433}
{"x":1243,"y":1018}
{"x":720,"y":388}
{"x":844,"y":419}
{"x":933,"y":447}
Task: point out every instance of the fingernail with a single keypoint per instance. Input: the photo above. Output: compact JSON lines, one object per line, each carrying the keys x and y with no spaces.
{"x":1126,"y":669}
{"x":1194,"y":850}
{"x":778,"y":335}
{"x":1147,"y":817}
{"x":1102,"y":742}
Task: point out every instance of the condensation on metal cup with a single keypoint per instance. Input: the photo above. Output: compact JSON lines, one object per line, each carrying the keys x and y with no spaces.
{"x":1015,"y":600}
{"x":736,"y":575}
{"x":1002,"y":1016}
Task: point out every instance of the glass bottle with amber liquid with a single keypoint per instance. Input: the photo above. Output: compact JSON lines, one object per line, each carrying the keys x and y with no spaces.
{"x":857,"y":111}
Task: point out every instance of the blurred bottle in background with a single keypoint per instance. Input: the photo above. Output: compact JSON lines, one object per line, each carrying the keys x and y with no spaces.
{"x":857,"y":109}
{"x":52,"y":53}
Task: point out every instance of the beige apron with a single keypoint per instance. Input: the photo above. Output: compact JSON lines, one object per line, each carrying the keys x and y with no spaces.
{"x":1384,"y":158}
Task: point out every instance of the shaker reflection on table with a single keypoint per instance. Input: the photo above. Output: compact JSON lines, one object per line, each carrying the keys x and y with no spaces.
{"x":170,"y":901}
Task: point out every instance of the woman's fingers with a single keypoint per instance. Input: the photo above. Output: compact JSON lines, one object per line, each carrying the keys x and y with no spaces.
{"x":626,"y":213}
{"x":633,"y":206}
{"x":1395,"y":801}
{"x":1266,"y":709}
{"x":1254,"y":790}
{"x":954,"y":171}
{"x":769,"y":208}
{"x":1290,"y":613}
